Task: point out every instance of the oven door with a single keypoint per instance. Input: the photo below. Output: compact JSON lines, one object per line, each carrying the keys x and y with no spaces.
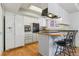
{"x":35,"y":27}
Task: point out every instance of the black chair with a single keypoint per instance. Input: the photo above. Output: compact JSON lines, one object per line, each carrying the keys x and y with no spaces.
{"x":72,"y":41}
{"x":67,"y":46}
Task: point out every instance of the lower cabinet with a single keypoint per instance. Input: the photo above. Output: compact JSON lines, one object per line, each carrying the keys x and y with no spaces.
{"x":34,"y":37}
{"x":30,"y":37}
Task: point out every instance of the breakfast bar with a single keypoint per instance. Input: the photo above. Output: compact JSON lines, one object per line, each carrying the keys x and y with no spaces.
{"x":47,"y":41}
{"x":47,"y":46}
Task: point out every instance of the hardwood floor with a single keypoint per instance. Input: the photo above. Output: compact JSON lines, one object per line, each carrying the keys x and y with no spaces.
{"x":27,"y":50}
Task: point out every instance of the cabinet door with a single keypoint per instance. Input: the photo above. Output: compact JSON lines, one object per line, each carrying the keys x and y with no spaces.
{"x":28,"y":37}
{"x":34,"y":37}
{"x":42,"y":22}
{"x":19,"y":30}
{"x":9,"y":31}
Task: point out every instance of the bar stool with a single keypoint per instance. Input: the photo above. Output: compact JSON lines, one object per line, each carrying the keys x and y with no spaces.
{"x":72,"y":41}
{"x":66,"y":46}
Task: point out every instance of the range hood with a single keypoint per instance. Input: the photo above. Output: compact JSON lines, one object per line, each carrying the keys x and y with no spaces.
{"x":47,"y":14}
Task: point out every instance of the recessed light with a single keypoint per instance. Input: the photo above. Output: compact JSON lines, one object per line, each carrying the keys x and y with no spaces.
{"x":34,"y":8}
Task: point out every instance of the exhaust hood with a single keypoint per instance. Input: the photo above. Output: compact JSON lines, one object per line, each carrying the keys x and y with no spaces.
{"x":47,"y":14}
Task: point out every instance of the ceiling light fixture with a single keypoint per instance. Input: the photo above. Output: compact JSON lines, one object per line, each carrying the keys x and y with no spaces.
{"x":50,"y":15}
{"x":34,"y":8}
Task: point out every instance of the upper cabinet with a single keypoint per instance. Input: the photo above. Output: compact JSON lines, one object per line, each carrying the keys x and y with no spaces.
{"x":30,"y":20}
{"x":42,"y":21}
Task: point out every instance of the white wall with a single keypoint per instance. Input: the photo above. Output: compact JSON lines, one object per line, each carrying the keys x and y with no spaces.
{"x":74,"y":18}
{"x":57,"y":10}
{"x":1,"y":29}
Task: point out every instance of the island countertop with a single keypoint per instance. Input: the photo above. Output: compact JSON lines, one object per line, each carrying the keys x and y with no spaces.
{"x":51,"y":34}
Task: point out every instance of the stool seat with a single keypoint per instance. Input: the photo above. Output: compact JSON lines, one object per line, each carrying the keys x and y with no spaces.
{"x":61,"y":43}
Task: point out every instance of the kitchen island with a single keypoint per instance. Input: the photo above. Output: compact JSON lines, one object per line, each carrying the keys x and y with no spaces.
{"x":46,"y":40}
{"x":47,"y":46}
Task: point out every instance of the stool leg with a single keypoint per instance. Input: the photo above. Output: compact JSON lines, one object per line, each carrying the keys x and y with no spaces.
{"x":60,"y":50}
{"x":56,"y":50}
{"x":64,"y":51}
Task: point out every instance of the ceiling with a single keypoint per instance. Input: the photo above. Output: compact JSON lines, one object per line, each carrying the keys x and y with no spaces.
{"x":70,"y":7}
{"x":24,"y":7}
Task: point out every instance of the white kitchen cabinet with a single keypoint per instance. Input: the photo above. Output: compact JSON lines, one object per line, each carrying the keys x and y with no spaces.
{"x":9,"y":31}
{"x":14,"y":30}
{"x":30,"y":37}
{"x":19,"y":30}
{"x":34,"y":37}
{"x":30,"y":20}
{"x":42,"y":21}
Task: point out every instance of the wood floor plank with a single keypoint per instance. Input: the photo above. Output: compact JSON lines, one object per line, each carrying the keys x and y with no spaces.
{"x":27,"y":50}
